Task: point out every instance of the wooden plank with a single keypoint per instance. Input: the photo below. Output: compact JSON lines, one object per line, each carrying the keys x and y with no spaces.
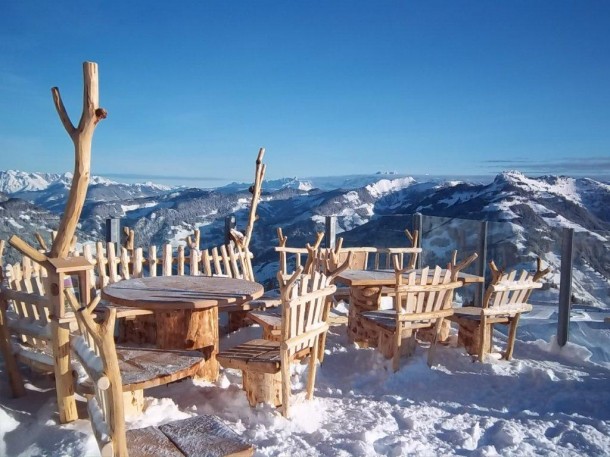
{"x":205,"y":436}
{"x":148,"y":441}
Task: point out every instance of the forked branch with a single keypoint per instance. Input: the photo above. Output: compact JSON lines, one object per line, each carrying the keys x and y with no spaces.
{"x":256,"y":189}
{"x":82,"y":138}
{"x":456,"y":267}
{"x":540,"y":273}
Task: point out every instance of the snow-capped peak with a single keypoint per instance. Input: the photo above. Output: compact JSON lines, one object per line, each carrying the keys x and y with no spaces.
{"x":386,"y":186}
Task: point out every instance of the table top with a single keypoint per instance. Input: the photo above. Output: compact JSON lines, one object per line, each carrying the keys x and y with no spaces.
{"x":181,"y":292}
{"x":388,"y":278}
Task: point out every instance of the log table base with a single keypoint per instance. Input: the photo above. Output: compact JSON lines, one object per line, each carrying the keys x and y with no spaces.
{"x":192,"y":330}
{"x":362,"y":299}
{"x":263,"y":387}
{"x":469,"y":336}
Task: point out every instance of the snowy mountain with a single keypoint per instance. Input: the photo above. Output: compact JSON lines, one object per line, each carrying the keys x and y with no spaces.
{"x":526,"y":216}
{"x":13,"y":181}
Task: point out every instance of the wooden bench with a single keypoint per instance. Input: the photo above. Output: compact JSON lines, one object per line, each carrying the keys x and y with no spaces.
{"x":199,"y":436}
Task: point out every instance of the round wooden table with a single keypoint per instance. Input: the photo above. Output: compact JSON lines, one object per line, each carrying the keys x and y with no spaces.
{"x":185,"y":309}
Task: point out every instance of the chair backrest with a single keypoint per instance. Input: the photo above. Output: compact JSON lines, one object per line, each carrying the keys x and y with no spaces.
{"x":513,"y":289}
{"x":94,"y":347}
{"x":303,"y":304}
{"x":424,"y":292}
{"x":230,"y":260}
{"x":26,"y":309}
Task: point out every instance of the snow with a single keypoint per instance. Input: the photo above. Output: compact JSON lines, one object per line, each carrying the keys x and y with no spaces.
{"x":386,"y":186}
{"x":548,"y":400}
{"x":563,"y":186}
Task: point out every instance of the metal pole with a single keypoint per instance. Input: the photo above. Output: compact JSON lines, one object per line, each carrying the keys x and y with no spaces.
{"x":482,"y":263}
{"x":229,"y":224}
{"x":565,"y":286}
{"x":113,"y":232}
{"x":330,"y":232}
{"x":418,"y":225}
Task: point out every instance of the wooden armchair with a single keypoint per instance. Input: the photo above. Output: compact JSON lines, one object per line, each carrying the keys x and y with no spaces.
{"x":26,"y":332}
{"x":265,"y":364}
{"x":505,"y":299}
{"x":420,"y":301}
{"x":196,"y":436}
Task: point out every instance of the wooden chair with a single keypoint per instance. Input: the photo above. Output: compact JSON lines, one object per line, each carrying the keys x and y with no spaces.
{"x":28,"y":330}
{"x":26,"y":333}
{"x":265,"y":364}
{"x":420,"y":301}
{"x":271,"y":320}
{"x":196,"y":436}
{"x":504,"y":301}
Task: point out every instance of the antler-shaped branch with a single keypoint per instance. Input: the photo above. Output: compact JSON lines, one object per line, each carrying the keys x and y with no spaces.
{"x":333,"y":270}
{"x":27,"y":250}
{"x":313,"y":253}
{"x":457,"y":267}
{"x":197,"y":238}
{"x":286,"y":285}
{"x":130,"y":239}
{"x":540,"y":273}
{"x":256,"y":188}
{"x":41,"y":241}
{"x":496,"y":273}
{"x":413,"y":238}
{"x":282,"y":240}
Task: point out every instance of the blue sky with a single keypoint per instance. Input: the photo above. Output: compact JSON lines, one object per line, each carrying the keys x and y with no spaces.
{"x":194,"y":88}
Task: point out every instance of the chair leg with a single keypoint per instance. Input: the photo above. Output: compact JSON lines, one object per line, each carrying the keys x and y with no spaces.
{"x":285,"y":360}
{"x":483,"y":339}
{"x":437,"y":331}
{"x":512,"y":332}
{"x":313,"y":366}
{"x":14,"y":376}
{"x":397,"y":345}
{"x":321,"y":346}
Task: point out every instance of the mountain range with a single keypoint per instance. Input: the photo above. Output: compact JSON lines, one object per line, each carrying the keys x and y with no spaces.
{"x":525,"y":217}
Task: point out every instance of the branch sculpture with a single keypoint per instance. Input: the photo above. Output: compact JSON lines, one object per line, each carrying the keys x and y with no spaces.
{"x":82,"y":137}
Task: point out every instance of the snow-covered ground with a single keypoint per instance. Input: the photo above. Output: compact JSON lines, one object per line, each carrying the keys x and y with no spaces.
{"x":547,"y":401}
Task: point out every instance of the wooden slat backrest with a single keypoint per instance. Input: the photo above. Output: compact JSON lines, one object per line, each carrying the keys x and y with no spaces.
{"x":228,"y":260}
{"x":508,"y":290}
{"x":31,"y":310}
{"x":303,"y":304}
{"x":383,"y":258}
{"x":96,"y":351}
{"x":423,"y":293}
{"x":289,"y":257}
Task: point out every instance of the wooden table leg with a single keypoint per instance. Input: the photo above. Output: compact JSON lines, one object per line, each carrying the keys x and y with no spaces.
{"x":133,"y":402}
{"x":195,"y":329}
{"x":362,"y":299}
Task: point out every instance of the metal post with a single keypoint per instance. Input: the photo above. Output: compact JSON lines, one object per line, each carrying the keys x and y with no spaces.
{"x":330,"y":232}
{"x":229,"y":224}
{"x":565,"y":286}
{"x":418,"y":225}
{"x":113,"y":232}
{"x":481,"y":264}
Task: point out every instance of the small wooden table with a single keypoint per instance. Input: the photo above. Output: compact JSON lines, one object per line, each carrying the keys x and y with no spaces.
{"x":366,"y":290}
{"x":185,"y":309}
